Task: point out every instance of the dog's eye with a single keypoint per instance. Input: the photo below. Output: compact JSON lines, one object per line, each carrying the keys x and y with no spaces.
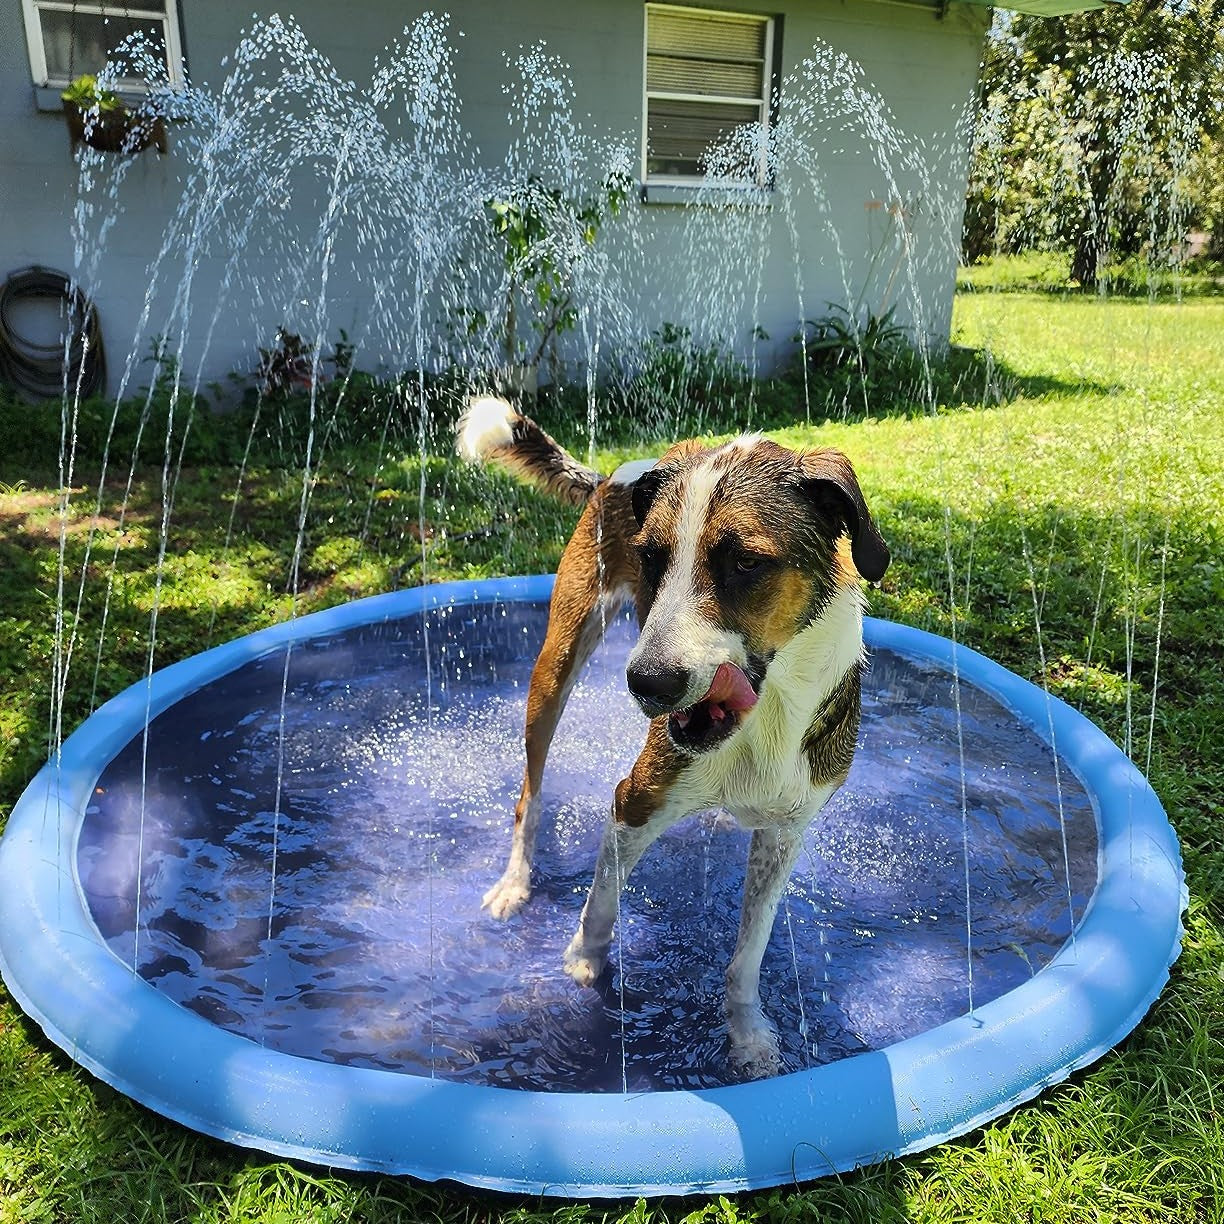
{"x":653,"y":561}
{"x":738,"y":564}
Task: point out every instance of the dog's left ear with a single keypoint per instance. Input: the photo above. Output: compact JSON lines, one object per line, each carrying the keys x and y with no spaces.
{"x":645,"y":489}
{"x":829,"y":480}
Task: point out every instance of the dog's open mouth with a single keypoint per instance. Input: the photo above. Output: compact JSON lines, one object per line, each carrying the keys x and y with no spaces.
{"x":703,"y":726}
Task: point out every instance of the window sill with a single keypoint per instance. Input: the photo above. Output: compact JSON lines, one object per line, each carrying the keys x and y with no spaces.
{"x":713,"y":195}
{"x":47,"y":97}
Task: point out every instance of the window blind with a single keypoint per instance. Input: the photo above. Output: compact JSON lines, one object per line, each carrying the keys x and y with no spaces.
{"x":706,"y":75}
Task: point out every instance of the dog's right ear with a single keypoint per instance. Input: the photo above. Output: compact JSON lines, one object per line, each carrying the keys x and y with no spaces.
{"x":644,"y":491}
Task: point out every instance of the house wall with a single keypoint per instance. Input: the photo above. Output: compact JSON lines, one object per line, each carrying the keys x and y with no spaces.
{"x":827,"y":235}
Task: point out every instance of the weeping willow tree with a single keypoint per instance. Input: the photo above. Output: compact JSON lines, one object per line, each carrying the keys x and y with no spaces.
{"x":1099,"y":133}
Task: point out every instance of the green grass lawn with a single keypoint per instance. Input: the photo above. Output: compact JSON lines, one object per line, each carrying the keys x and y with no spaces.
{"x":1063,"y":513}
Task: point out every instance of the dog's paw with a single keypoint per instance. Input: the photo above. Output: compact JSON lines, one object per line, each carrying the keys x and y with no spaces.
{"x":754,"y":1045}
{"x":583,"y":965}
{"x":507,"y":896}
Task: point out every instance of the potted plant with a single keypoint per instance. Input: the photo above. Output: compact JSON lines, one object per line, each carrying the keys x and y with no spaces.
{"x":100,"y":118}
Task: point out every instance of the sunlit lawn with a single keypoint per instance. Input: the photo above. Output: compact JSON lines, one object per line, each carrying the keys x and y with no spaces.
{"x":1067,"y":518}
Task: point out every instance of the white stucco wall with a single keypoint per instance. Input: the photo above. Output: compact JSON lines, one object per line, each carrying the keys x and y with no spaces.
{"x":698,"y":268}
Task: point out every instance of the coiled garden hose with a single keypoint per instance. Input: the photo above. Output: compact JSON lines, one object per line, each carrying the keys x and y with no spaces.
{"x":38,"y":370}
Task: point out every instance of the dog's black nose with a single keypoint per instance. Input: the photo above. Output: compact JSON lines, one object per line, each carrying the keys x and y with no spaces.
{"x":657,"y":689}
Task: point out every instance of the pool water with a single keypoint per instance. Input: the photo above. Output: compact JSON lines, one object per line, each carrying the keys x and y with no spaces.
{"x":298,"y":849}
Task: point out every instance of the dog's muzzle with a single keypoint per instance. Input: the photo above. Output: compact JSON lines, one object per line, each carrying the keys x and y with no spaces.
{"x":704,"y":724}
{"x":658,"y":690}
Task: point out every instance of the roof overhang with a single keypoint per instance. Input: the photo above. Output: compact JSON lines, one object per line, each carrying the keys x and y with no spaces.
{"x":1035,"y":8}
{"x":1048,"y":8}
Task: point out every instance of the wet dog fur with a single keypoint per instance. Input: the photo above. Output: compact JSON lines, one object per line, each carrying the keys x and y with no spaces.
{"x":744,"y":561}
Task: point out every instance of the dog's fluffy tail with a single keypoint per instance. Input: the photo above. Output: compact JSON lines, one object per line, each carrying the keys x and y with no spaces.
{"x":491,"y":430}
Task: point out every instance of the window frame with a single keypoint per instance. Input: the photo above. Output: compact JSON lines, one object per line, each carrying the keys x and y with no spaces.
{"x":766,"y":101}
{"x":167,"y":14}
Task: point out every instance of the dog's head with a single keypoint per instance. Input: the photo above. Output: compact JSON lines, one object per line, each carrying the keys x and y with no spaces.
{"x":738,"y":548}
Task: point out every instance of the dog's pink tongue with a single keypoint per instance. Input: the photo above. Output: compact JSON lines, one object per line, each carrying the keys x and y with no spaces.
{"x":730,"y":689}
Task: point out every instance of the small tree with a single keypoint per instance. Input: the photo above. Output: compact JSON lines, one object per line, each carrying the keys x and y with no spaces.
{"x":543,"y":234}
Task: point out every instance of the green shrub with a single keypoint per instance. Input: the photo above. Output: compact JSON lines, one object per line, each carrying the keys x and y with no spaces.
{"x":672,"y":375}
{"x":846,"y":368}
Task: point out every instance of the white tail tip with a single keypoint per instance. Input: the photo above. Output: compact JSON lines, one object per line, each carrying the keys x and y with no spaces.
{"x":484,"y":426}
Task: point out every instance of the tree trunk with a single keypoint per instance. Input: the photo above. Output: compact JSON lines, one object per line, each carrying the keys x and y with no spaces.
{"x":1087,"y":259}
{"x":1102,"y":155}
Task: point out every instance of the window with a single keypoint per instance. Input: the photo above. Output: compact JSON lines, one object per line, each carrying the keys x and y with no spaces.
{"x":69,"y":37}
{"x":708,"y":73}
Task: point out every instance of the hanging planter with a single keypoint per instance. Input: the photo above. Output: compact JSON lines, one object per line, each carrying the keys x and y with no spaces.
{"x":101,"y":119}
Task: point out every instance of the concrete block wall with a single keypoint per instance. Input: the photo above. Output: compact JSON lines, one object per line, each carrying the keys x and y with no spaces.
{"x":683,"y":265}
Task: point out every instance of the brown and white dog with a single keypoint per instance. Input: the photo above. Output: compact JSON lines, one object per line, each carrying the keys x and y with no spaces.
{"x":744,"y":560}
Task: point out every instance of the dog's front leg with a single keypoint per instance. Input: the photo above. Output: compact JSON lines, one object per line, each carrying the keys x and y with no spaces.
{"x":771,"y":858}
{"x":619,"y":851}
{"x":646,"y":806}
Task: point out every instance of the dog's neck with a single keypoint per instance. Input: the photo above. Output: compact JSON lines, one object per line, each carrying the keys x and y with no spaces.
{"x":807,"y":669}
{"x":762,"y":774}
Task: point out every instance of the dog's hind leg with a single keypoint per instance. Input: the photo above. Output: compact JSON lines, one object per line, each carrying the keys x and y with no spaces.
{"x":581,"y":608}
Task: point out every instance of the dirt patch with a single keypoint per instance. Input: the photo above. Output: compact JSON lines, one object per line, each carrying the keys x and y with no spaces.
{"x":37,"y":514}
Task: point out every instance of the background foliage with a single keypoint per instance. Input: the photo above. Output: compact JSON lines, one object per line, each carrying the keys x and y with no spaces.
{"x":1100,"y":133}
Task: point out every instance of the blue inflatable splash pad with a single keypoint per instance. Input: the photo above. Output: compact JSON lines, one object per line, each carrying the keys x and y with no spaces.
{"x":247,"y":894}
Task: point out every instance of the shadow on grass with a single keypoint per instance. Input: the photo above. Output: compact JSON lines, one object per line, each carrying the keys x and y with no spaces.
{"x":1049,"y":273}
{"x":961,"y":379}
{"x":712,"y":395}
